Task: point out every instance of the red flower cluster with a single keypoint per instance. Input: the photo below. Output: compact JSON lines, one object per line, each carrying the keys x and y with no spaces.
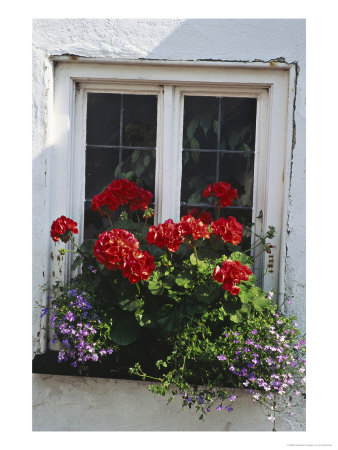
{"x":223,"y":191}
{"x":171,"y":235}
{"x":119,"y":249}
{"x":230,"y":273}
{"x":194,"y":227}
{"x":205,"y":216}
{"x":62,"y":228}
{"x":229,"y":229}
{"x":122,"y":192}
{"x":165,"y":235}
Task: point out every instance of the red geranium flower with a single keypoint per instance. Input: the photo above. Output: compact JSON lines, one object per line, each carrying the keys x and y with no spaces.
{"x":165,"y":235}
{"x":122,"y":192}
{"x":119,"y":249}
{"x":205,"y":216}
{"x":194,"y":227}
{"x":138,"y":266}
{"x":112,"y":247}
{"x":223,"y":191}
{"x":62,"y":228}
{"x":229,"y":229}
{"x":230,"y":274}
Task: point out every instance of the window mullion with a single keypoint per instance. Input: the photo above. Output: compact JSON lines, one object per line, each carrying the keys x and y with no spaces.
{"x":169,"y":168}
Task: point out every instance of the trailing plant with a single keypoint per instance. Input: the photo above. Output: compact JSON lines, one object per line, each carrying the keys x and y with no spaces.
{"x":178,"y":301}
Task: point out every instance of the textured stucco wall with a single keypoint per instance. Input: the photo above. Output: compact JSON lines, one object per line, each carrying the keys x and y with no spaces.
{"x":192,"y":39}
{"x":125,"y":405}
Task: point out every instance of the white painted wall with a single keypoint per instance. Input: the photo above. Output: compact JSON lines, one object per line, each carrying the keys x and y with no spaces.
{"x":192,"y":39}
{"x":126,"y":405}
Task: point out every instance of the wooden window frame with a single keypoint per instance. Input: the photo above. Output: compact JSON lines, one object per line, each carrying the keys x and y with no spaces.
{"x":271,"y":84}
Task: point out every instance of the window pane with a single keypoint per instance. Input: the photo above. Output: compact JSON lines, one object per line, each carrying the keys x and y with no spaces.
{"x":238,"y":170}
{"x":199,"y":169}
{"x":238,"y":123}
{"x":103,"y":119}
{"x":230,"y":148}
{"x":200,"y":122}
{"x":100,"y":169}
{"x":139,"y":166}
{"x":139,"y":120}
{"x":119,"y":121}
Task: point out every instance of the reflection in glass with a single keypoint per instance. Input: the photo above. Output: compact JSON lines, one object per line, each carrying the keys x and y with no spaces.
{"x":139,"y":120}
{"x":139,"y":166}
{"x":101,"y":164}
{"x":94,"y":222}
{"x":238,"y":123}
{"x":197,"y":172}
{"x":200,"y":122}
{"x":238,"y":170}
{"x":103,"y":119}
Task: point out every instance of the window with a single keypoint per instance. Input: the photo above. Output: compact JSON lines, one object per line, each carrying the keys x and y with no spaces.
{"x":120,"y":143}
{"x":178,"y":127}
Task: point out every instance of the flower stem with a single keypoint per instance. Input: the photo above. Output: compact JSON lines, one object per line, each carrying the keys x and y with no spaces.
{"x":144,"y":225}
{"x":110,"y":221}
{"x":75,"y":244}
{"x":195,"y":251}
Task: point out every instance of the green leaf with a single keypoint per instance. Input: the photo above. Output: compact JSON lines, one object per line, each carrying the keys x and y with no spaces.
{"x":241,"y":257}
{"x":125,"y":329}
{"x":233,"y":139}
{"x":146,"y":160}
{"x":87,"y":246}
{"x":231,"y":308}
{"x":207,"y":293}
{"x":261,"y":303}
{"x":167,"y":321}
{"x":129,"y":175}
{"x":236,"y":318}
{"x":185,"y":282}
{"x":195,"y":156}
{"x":191,"y":128}
{"x":246,"y":147}
{"x":193,"y":259}
{"x":130,"y":304}
{"x":169,"y":281}
{"x":205,"y":125}
{"x":77,"y":261}
{"x":194,"y":198}
{"x":194,"y":143}
{"x":155,"y":285}
{"x":135,"y":155}
{"x":117,"y":171}
{"x":139,"y":170}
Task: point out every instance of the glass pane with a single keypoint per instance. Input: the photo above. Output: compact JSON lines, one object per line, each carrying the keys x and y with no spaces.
{"x":238,"y":123}
{"x":200,"y":122}
{"x":94,"y":222}
{"x":139,"y":166}
{"x":139,"y":120}
{"x":103,"y":119}
{"x":101,"y":164}
{"x":238,"y":170}
{"x":243,"y":216}
{"x":205,"y":212}
{"x":199,"y":169}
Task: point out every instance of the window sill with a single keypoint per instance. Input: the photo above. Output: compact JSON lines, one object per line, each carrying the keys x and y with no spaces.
{"x":46,"y":363}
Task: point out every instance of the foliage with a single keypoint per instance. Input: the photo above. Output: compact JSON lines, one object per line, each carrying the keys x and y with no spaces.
{"x":180,"y":300}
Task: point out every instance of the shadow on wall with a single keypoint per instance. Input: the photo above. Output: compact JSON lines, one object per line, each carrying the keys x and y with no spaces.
{"x":221,"y":39}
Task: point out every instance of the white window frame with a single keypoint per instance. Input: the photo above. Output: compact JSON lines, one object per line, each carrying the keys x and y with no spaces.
{"x":272,"y":85}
